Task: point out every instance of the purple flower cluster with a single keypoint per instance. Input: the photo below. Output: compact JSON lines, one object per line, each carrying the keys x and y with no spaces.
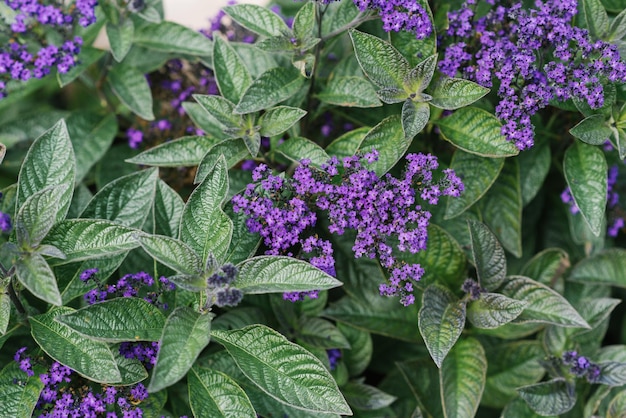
{"x":220,"y":285}
{"x":5,"y":222}
{"x":129,"y":285}
{"x":535,"y":55}
{"x":144,"y":351}
{"x":18,"y":59}
{"x":399,"y":15}
{"x":581,"y":366}
{"x":65,"y":394}
{"x":334,"y":355}
{"x":378,"y":209}
{"x":472,"y":288}
{"x":616,"y":218}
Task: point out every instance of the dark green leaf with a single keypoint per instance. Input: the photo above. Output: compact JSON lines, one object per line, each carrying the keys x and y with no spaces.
{"x":414,"y":118}
{"x":167,"y":210}
{"x":86,"y":57}
{"x":91,"y":359}
{"x":36,"y":275}
{"x":347,"y":144}
{"x":271,"y":88}
{"x":320,"y":333}
{"x":298,"y":148}
{"x":617,"y":30}
{"x":173,"y":253}
{"x":366,"y":397}
{"x":389,"y":140}
{"x":612,"y":373}
{"x":606,"y":267}
{"x":592,"y":130}
{"x":493,"y":310}
{"x":19,"y":393}
{"x":258,"y":19}
{"x":120,"y":38}
{"x":549,"y":398}
{"x":423,"y":379}
{"x":278,"y":119}
{"x":476,"y":131}
{"x":186,"y":151}
{"x":593,"y":17}
{"x":204,"y":120}
{"x":39,"y":213}
{"x":283,"y":370}
{"x":215,"y":394}
{"x":618,"y":404}
{"x":489,"y":257}
{"x":441,"y":320}
{"x":233,"y":150}
{"x":108,"y":321}
{"x":132,"y":370}
{"x":585,"y":170}
{"x":547,"y":265}
{"x":231,"y":74}
{"x":132,"y":88}
{"x":349,"y":91}
{"x":534,"y":165}
{"x":185,"y":335}
{"x":172,"y":37}
{"x":453,"y":93}
{"x":220,"y":109}
{"x":359,"y":355}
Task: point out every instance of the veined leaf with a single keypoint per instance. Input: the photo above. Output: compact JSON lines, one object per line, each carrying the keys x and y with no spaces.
{"x":593,"y":17}
{"x":186,"y":151}
{"x":215,"y":394}
{"x":167,"y":210}
{"x":36,"y":275}
{"x":298,"y":148}
{"x":172,"y":37}
{"x":389,"y":140}
{"x":489,"y":257}
{"x":493,"y":310}
{"x":278,"y":119}
{"x":359,"y":355}
{"x":554,"y":397}
{"x":349,"y":91}
{"x":120,"y":38}
{"x":87,"y":56}
{"x":347,"y":144}
{"x":132,"y":88}
{"x":258,"y":19}
{"x":231,"y":74}
{"x":233,"y":150}
{"x":272,"y":87}
{"x":19,"y":393}
{"x":173,"y":253}
{"x":365,"y":397}
{"x":38,"y":214}
{"x":414,"y":118}
{"x":454,"y":93}
{"x":606,"y":267}
{"x":320,"y":333}
{"x":592,"y":130}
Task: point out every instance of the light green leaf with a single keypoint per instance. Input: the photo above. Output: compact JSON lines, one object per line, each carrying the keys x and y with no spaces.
{"x":81,"y":239}
{"x":543,"y":304}
{"x":150,"y":14}
{"x":379,"y":60}
{"x":612,"y":373}
{"x":173,"y":253}
{"x":126,"y":200}
{"x":49,"y":162}
{"x":462,"y":377}
{"x":167,"y":210}
{"x":554,"y":397}
{"x":204,"y":225}
{"x":365,"y":397}
{"x":3,"y":151}
{"x":91,"y":359}
{"x":5,"y":311}
{"x":478,"y":174}
{"x":185,"y":335}
{"x":593,"y":17}
{"x":585,"y":170}
{"x":215,"y":394}
{"x":606,"y":267}
{"x":132,"y":370}
{"x":391,"y":95}
{"x":36,"y":275}
{"x":38,"y":214}
{"x":108,"y":321}
{"x":489,"y":257}
{"x":441,"y":320}
{"x":278,"y":119}
{"x":419,"y":78}
{"x":132,"y":88}
{"x":282,"y":369}
{"x":359,"y":355}
{"x":347,"y":144}
{"x":186,"y":151}
{"x":502,"y":208}
{"x":518,"y":408}
{"x":271,"y":88}
{"x":271,"y":274}
{"x":593,"y":130}
{"x":547,"y":265}
{"x":617,"y":30}
{"x":493,"y":310}
{"x":243,"y":244}
{"x":258,"y":19}
{"x":252,"y":143}
{"x":534,"y":164}
{"x":204,"y":120}
{"x":19,"y":393}
{"x":304,"y":21}
{"x":476,"y":131}
{"x":231,"y":74}
{"x":172,"y":37}
{"x":222,"y":110}
{"x":414,"y":118}
{"x":320,"y":333}
{"x":120,"y":38}
{"x":298,"y":148}
{"x":349,"y":91}
{"x":389,"y":140}
{"x":233,"y":150}
{"x":617,"y":406}
{"x":87,"y":56}
{"x":454,"y":93}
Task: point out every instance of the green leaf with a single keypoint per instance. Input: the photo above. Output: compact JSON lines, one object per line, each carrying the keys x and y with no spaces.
{"x":185,"y":335}
{"x":204,"y":225}
{"x":422,"y":377}
{"x":454,"y":93}
{"x":617,"y":30}
{"x":49,"y":162}
{"x":478,"y":174}
{"x":518,"y":408}
{"x":547,"y":265}
{"x":108,"y":321}
{"x":298,"y":148}
{"x":511,"y":365}
{"x":347,"y":144}
{"x":3,"y":151}
{"x":617,"y":406}
{"x":172,"y":252}
{"x":271,"y":88}
{"x":443,"y":260}
{"x":86,"y":57}
{"x":534,"y":164}
{"x":593,"y":17}
{"x":231,"y":74}
{"x":389,"y":140}
{"x":5,"y":311}
{"x":493,"y":310}
{"x":462,"y":377}
{"x":278,"y":119}
{"x":120,"y":38}
{"x":502,"y":208}
{"x":543,"y":304}
{"x":441,"y":320}
{"x":585,"y":170}
{"x":215,"y":394}
{"x":612,"y":373}
{"x":592,"y":130}
{"x":554,"y":397}
{"x":489,"y":257}
{"x":365,"y":397}
{"x":91,"y":359}
{"x":38,"y":214}
{"x":68,"y":275}
{"x":606,"y":268}
{"x":126,"y":200}
{"x":614,"y":6}
{"x":81,"y":239}
{"x":172,"y":37}
{"x":414,"y":118}
{"x":186,"y":151}
{"x":272,"y":274}
{"x":132,"y":88}
{"x":220,"y":109}
{"x":257,"y":19}
{"x":349,"y":91}
{"x":18,"y":393}
{"x":419,"y":78}
{"x":204,"y":120}
{"x":252,"y":143}
{"x":233,"y":150}
{"x":320,"y":333}
{"x":304,"y":21}
{"x":476,"y":131}
{"x":167,"y":210}
{"x":379,"y":60}
{"x":282,"y":369}
{"x":36,"y":275}
{"x":359,"y":355}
